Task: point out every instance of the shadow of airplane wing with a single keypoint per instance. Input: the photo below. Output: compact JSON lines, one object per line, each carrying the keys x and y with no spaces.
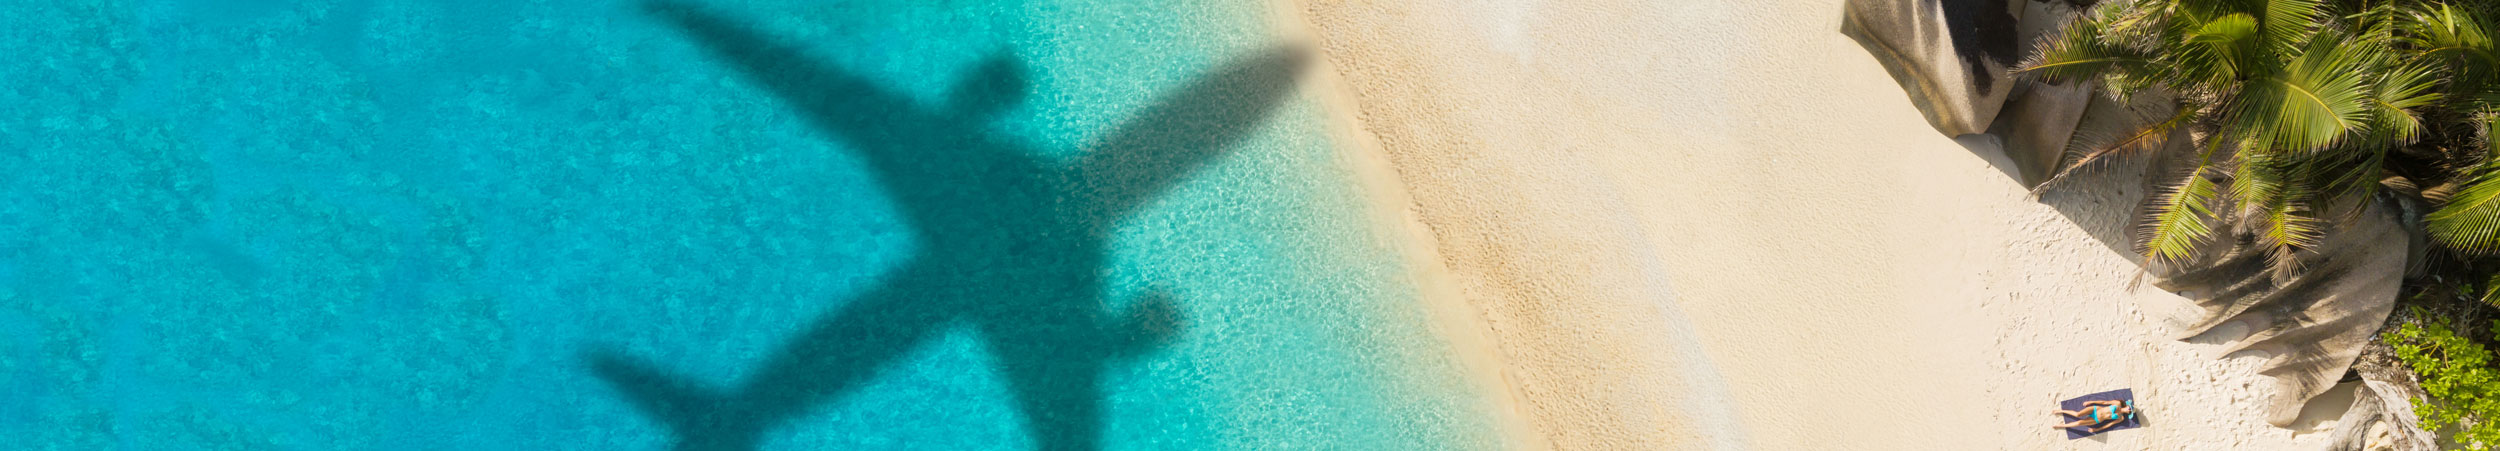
{"x":1184,"y":131}
{"x":917,"y":154}
{"x":840,"y":351}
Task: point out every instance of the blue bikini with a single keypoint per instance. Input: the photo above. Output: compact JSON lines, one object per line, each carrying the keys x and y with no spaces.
{"x":2110,"y":412}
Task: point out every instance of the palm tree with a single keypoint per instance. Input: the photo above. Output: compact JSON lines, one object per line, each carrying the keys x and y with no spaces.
{"x":2297,"y":110}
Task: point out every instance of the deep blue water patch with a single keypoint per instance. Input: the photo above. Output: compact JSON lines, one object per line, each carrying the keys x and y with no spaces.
{"x":419,"y":224}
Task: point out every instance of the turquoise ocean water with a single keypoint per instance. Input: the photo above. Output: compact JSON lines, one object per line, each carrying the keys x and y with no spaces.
{"x":785,"y":224}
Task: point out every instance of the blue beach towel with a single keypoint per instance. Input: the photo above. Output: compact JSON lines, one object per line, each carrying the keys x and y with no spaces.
{"x":2121,"y":395}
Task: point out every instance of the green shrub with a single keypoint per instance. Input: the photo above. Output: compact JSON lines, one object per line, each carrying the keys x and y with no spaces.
{"x":2464,"y":388}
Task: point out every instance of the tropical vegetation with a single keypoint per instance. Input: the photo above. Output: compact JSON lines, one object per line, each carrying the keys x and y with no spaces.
{"x":2295,"y":112}
{"x":2287,"y":115}
{"x":2458,"y":375}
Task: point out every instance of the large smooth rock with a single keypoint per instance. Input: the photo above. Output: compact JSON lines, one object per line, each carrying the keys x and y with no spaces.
{"x":2310,"y":324}
{"x":2038,"y":121}
{"x":1951,"y":56}
{"x":2038,"y":128}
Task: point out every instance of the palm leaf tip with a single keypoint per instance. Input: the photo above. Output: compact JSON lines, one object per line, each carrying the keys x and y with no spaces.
{"x":2178,"y":223}
{"x":2082,"y":50}
{"x":2470,"y":222}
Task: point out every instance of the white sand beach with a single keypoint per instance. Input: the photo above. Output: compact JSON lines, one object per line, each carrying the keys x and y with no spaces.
{"x":1718,"y":224}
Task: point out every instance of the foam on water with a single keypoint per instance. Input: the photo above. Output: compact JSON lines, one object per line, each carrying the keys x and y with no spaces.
{"x":404,"y":224}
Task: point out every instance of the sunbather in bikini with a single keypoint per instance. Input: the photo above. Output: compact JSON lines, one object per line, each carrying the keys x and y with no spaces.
{"x":2099,"y":414}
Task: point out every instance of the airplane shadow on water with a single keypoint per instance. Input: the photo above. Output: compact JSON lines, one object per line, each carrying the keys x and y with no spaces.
{"x":1013,"y":243}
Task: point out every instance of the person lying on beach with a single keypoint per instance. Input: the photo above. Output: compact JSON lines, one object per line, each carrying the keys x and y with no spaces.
{"x":2103,"y":413}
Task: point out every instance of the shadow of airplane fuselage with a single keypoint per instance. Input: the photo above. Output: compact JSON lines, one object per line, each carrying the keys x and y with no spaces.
{"x":1013,"y":244}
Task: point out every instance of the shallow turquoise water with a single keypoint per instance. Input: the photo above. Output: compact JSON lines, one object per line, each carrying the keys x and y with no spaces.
{"x":502,"y":224}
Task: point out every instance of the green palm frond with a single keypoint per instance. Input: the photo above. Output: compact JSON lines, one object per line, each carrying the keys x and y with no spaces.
{"x":2394,"y":98}
{"x":2083,"y":51}
{"x":2218,"y":51}
{"x":2313,"y":102}
{"x":2470,"y":222}
{"x":2351,"y":175}
{"x":2289,"y":226}
{"x":2288,"y":230}
{"x":2378,"y":20}
{"x":2088,"y":147}
{"x":2298,"y":105}
{"x":2462,"y":40}
{"x":2448,"y":32}
{"x":2491,"y":290}
{"x":2272,"y":190}
{"x":2257,"y":181}
{"x":2288,"y":23}
{"x":2179,"y":215}
{"x":2122,"y":86}
{"x":2136,"y":24}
